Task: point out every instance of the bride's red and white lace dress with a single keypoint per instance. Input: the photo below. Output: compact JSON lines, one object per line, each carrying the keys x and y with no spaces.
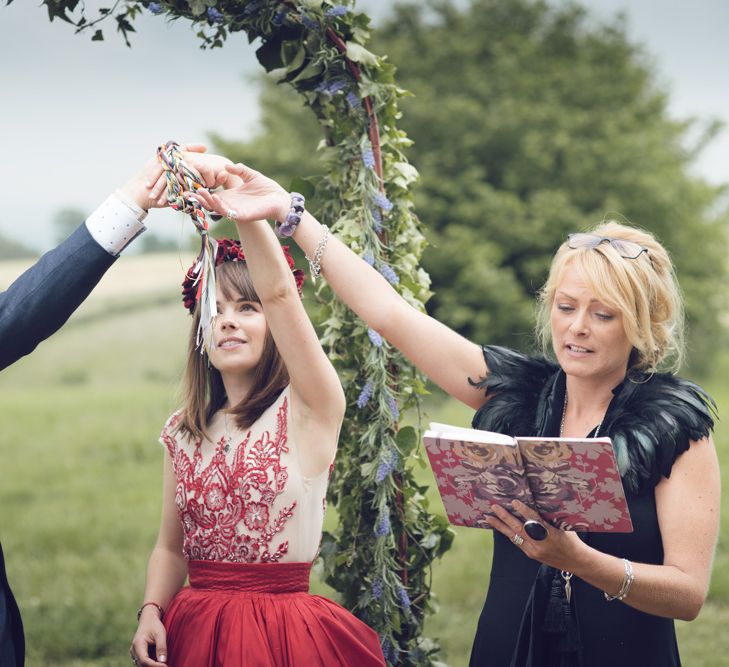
{"x":252,"y":525}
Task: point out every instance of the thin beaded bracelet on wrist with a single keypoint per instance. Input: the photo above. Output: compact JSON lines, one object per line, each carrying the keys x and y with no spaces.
{"x":627,"y":583}
{"x":315,"y":260}
{"x":293,"y":217}
{"x":150,"y":604}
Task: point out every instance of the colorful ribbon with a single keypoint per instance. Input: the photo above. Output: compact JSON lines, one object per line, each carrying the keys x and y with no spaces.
{"x":182,"y":182}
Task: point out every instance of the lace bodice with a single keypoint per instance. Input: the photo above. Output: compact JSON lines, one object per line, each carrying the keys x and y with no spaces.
{"x":244,"y":498}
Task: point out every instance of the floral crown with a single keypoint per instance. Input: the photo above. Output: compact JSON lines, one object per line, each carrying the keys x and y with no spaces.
{"x":227,"y":250}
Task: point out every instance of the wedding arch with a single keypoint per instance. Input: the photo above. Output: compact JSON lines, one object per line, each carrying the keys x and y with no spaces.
{"x":379,"y":557}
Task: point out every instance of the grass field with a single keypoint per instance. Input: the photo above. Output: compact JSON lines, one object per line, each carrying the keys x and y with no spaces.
{"x":80,"y":484}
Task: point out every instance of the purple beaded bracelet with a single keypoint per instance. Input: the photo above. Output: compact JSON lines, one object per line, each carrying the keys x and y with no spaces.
{"x":293,"y":217}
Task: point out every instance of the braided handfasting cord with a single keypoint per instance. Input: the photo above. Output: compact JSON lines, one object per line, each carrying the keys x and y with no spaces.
{"x":182,"y":182}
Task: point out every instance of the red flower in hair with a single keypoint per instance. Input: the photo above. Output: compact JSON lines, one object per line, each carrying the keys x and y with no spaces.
{"x":298,"y":273}
{"x":228,"y":250}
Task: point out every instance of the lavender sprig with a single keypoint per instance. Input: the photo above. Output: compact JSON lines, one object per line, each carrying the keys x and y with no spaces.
{"x":383,"y":524}
{"x":388,"y":651}
{"x":214,"y":16}
{"x":337,"y":10}
{"x":252,"y":7}
{"x":332,"y":87}
{"x":374,"y":337}
{"x":309,"y":22}
{"x":377,"y":217}
{"x":368,"y":158}
{"x":365,"y":394}
{"x":387,"y":465}
{"x":388,"y":272}
{"x":392,"y":404}
{"x":377,"y":588}
{"x":404,"y":597}
{"x":383,"y":202}
{"x":353,"y":100}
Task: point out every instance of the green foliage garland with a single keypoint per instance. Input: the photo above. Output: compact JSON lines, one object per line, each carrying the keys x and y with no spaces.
{"x":379,"y":558}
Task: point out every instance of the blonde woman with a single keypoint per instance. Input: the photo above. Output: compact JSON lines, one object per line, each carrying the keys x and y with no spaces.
{"x":612,"y":314}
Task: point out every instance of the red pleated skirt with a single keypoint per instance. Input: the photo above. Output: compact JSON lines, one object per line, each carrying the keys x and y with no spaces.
{"x":262,"y":615}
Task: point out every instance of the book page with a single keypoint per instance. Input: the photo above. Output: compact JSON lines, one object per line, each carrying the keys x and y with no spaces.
{"x":576,"y":484}
{"x":473,"y":475}
{"x":471,"y":434}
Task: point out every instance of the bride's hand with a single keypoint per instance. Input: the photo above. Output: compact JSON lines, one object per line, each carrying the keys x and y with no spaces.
{"x":212,"y":169}
{"x":253,"y":197}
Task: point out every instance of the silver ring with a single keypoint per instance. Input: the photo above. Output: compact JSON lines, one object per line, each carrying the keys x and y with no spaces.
{"x":231,"y":213}
{"x":517,"y":539}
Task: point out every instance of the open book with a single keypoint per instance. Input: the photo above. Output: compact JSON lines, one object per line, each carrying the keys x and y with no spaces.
{"x":573,"y":483}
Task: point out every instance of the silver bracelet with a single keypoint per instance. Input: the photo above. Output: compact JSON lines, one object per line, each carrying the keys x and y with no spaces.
{"x":627,"y":583}
{"x":315,"y":261}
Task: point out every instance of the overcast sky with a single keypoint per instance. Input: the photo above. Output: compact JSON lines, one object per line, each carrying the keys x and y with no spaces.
{"x":78,"y":117}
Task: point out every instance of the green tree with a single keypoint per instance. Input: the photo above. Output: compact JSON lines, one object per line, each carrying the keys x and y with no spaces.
{"x":11,"y":249}
{"x":529,"y":121}
{"x":153,"y":243}
{"x":65,"y":221}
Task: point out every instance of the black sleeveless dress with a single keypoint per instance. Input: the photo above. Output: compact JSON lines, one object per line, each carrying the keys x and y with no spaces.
{"x":651,"y":422}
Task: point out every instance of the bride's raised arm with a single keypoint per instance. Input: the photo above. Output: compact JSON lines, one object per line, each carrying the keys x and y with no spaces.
{"x":445,"y":356}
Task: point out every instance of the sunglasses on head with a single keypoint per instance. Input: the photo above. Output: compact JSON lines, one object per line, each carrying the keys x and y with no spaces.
{"x":626,"y":249}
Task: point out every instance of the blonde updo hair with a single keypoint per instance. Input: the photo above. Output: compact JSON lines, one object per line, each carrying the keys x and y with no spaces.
{"x":644,"y":290}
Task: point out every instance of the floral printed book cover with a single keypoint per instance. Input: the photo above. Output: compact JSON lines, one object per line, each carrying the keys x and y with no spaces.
{"x":573,"y":483}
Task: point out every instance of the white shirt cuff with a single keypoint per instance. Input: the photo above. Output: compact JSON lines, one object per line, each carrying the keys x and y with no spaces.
{"x":116,"y":223}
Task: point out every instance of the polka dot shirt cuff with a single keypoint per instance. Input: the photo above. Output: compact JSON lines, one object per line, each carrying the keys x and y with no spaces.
{"x":116,"y":223}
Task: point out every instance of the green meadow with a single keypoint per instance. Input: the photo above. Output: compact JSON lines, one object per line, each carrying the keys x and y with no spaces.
{"x":80,"y":482}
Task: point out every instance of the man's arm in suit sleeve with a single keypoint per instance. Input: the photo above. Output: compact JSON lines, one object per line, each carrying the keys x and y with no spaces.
{"x":40,"y":301}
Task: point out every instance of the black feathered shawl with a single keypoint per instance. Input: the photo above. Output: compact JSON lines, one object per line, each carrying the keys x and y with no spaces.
{"x":651,"y":418}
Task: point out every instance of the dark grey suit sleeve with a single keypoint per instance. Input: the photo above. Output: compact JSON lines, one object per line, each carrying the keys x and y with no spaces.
{"x":38,"y":303}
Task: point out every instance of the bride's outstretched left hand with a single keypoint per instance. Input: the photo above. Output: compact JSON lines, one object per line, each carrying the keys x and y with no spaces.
{"x":254,"y":197}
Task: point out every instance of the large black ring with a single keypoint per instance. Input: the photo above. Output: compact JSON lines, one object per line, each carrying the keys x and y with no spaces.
{"x":535,"y":530}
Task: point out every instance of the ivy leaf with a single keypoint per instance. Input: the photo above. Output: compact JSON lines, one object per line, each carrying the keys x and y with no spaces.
{"x":368,"y":469}
{"x":123,"y":25}
{"x":405,"y":174}
{"x":361,"y":35}
{"x":98,"y":36}
{"x":310,"y":71}
{"x":292,"y":55}
{"x":359,"y":54}
{"x":305,"y":186}
{"x":58,"y":12}
{"x":407,"y":440}
{"x":429,"y":541}
{"x":269,"y":55}
{"x":197,"y":7}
